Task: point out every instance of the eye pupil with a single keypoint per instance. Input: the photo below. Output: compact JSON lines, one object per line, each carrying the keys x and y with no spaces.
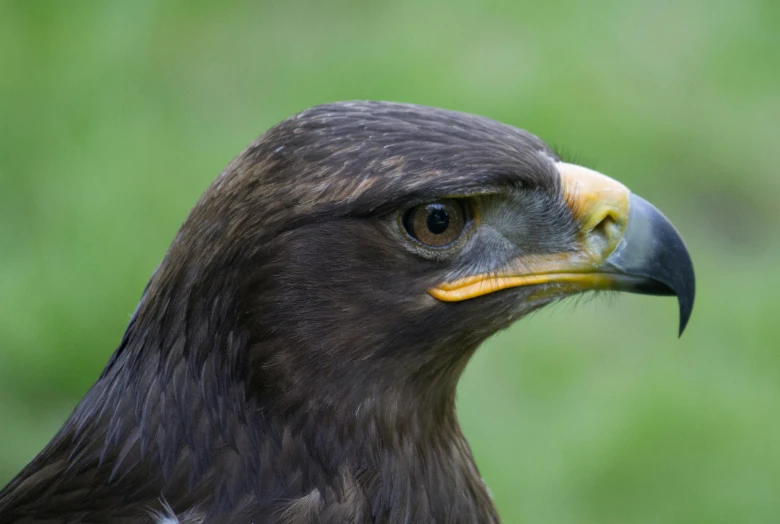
{"x":438,"y":219}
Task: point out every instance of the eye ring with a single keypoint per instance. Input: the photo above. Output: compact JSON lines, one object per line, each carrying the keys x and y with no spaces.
{"x":438,"y":224}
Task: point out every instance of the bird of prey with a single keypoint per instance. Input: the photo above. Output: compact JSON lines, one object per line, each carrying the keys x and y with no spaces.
{"x":294,"y":357}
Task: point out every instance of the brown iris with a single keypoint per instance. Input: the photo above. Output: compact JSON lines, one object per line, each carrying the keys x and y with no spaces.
{"x":436,"y":224}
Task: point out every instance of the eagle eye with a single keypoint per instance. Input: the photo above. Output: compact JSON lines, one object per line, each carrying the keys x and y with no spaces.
{"x":437,"y":224}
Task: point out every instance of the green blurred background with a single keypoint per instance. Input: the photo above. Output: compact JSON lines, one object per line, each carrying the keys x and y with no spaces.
{"x":115,"y":116}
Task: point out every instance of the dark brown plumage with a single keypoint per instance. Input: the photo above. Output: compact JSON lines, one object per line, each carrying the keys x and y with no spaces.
{"x":295,"y":356}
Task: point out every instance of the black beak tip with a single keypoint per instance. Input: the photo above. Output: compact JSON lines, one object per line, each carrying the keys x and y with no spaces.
{"x":676,"y":270}
{"x":686,"y":295}
{"x":686,"y":308}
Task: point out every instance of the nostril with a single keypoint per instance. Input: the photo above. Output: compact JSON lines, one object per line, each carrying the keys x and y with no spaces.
{"x":602,"y":233}
{"x":604,"y":227}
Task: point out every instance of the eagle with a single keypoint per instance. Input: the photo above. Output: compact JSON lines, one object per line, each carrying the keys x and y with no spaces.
{"x":294,"y":357}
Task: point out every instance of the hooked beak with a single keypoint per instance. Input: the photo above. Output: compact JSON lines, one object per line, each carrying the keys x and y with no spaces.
{"x":624,"y":244}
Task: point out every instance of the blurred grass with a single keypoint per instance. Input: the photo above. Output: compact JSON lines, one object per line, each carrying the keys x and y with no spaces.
{"x":114,"y":116}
